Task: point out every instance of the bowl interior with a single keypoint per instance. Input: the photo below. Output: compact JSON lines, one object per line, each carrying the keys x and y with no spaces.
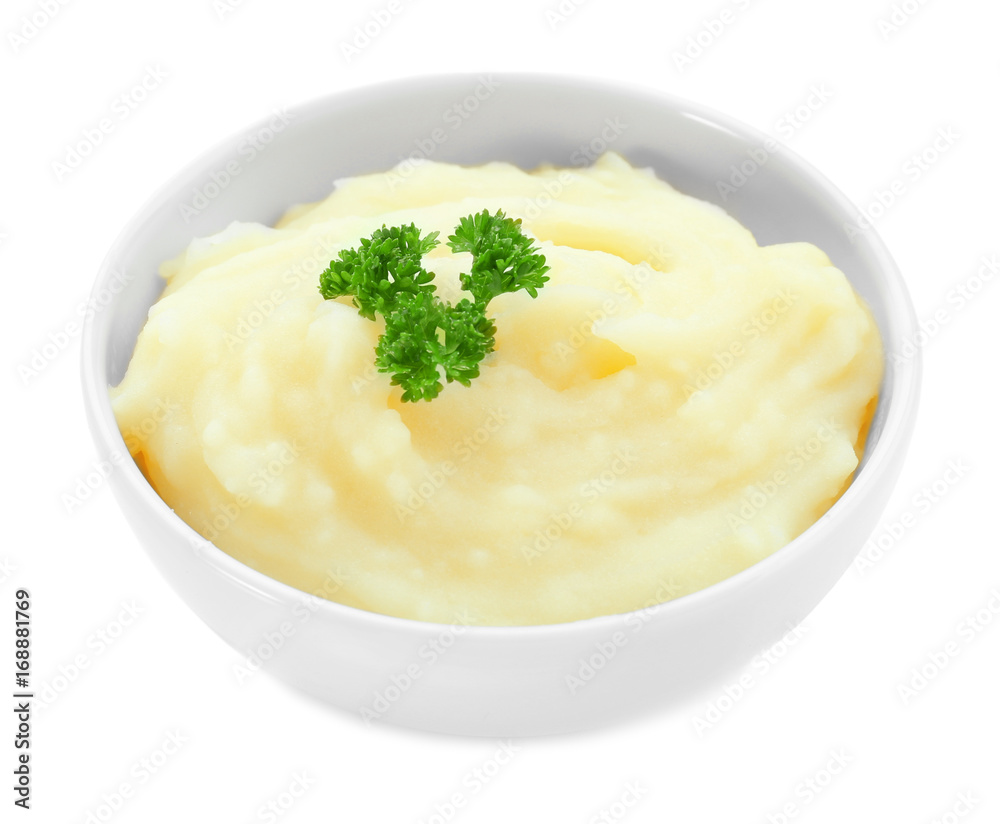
{"x":295,"y":156}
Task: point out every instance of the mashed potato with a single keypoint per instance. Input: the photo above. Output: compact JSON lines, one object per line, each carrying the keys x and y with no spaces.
{"x":676,"y":404}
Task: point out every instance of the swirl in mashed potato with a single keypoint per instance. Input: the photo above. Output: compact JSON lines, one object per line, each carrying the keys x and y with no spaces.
{"x":677,"y":403}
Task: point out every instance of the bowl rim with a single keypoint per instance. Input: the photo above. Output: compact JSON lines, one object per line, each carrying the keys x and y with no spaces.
{"x":900,"y":384}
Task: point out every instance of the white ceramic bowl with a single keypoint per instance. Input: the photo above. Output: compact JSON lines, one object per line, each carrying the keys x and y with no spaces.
{"x":492,"y":680}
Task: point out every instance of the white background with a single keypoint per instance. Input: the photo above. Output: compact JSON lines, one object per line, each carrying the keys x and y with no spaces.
{"x":834,"y":693}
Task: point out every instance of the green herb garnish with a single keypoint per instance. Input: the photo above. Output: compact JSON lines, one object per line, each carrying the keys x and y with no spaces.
{"x":425,"y":338}
{"x":384,"y":267}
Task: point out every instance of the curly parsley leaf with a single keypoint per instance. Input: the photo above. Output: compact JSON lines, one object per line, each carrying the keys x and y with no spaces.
{"x":383,"y":267}
{"x":427,"y":341}
{"x":503,"y":258}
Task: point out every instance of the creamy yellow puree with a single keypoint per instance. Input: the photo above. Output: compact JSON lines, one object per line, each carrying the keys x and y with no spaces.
{"x":677,"y":404}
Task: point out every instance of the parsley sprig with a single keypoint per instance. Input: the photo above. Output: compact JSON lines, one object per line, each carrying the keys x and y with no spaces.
{"x":382,"y":268}
{"x":426,"y":339}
